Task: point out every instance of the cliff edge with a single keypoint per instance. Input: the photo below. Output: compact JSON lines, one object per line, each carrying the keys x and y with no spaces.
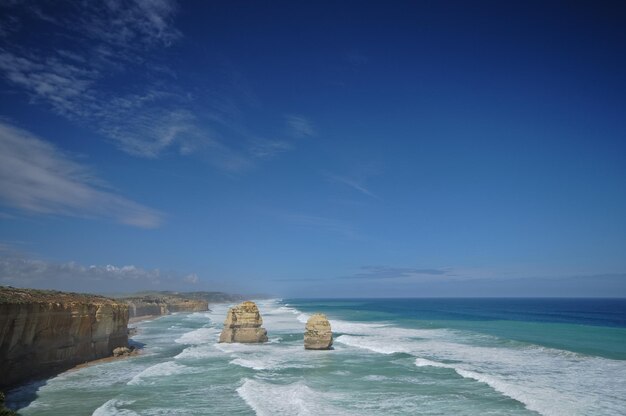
{"x":156,"y":305}
{"x":45,"y":332}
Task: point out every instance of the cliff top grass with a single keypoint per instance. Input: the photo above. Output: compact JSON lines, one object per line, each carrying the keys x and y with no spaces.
{"x":12,"y":295}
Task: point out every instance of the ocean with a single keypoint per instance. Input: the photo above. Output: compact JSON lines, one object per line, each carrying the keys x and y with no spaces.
{"x":390,"y":356}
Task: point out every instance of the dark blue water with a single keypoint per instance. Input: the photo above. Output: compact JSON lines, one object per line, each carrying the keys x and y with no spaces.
{"x":585,"y":311}
{"x":588,"y":326}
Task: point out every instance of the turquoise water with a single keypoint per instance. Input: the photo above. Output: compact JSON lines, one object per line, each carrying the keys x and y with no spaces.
{"x":393,"y":357}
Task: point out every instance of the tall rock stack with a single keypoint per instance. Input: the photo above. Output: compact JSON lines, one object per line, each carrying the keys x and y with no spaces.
{"x":243,"y":324}
{"x":318,"y":335}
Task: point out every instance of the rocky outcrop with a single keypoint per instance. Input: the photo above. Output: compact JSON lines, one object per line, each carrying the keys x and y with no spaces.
{"x":318,"y":334}
{"x":124,"y":351}
{"x":3,"y":410}
{"x":243,"y":324}
{"x":45,"y":332}
{"x":163,"y":305}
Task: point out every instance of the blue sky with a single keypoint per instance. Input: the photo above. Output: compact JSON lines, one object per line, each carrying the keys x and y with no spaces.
{"x":320,"y":149}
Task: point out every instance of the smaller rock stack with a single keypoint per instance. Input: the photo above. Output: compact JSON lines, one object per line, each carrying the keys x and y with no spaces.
{"x":243,"y":324}
{"x":317,"y":334}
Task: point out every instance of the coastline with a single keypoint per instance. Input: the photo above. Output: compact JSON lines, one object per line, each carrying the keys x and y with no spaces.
{"x":137,"y":319}
{"x":132,"y":330}
{"x":405,"y":358}
{"x":112,"y":358}
{"x":135,"y":353}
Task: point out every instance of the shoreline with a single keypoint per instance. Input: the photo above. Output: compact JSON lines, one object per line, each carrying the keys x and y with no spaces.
{"x":136,"y":319}
{"x":136,"y":352}
{"x":102,"y":360}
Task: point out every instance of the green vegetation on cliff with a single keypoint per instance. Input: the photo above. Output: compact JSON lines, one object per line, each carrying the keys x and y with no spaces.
{"x":12,"y":295}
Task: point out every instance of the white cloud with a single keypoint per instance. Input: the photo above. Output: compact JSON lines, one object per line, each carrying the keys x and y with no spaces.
{"x":352,"y":183}
{"x":299,"y":126}
{"x":262,"y":148}
{"x":21,"y":271}
{"x":410,"y":273}
{"x":191,"y":278}
{"x":143,"y":124}
{"x":37,"y":177}
{"x":63,"y":85}
{"x":103,"y":39}
{"x":130,"y":24}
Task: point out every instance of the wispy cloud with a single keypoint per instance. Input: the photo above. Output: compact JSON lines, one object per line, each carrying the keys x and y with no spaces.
{"x":37,"y":177}
{"x":130,"y":24}
{"x":191,"y":278}
{"x":350,"y":182}
{"x":102,"y":40}
{"x":19,"y":270}
{"x":143,"y":123}
{"x":65,"y":86}
{"x":77,"y":73}
{"x":325,"y":224}
{"x":386,"y":272}
{"x":356,"y":58}
{"x":299,"y":126}
{"x":263,"y":148}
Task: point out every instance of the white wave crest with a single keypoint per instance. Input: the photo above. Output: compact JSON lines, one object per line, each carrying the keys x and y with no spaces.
{"x":198,"y":336}
{"x":199,"y":352}
{"x":538,"y":377}
{"x":291,"y":399}
{"x":110,"y":408}
{"x":159,"y":371}
{"x":378,"y":345}
{"x":270,"y":356}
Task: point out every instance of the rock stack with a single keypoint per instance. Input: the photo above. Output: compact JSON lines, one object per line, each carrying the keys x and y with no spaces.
{"x":317,"y":334}
{"x":243,"y":324}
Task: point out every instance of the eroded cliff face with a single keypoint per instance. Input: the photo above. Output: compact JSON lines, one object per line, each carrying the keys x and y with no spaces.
{"x":188,"y":305}
{"x":318,"y":334}
{"x":243,"y":324}
{"x":156,"y":306}
{"x":42,"y":333}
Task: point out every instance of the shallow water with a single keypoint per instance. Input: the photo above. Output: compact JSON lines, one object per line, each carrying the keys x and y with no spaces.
{"x":420,"y":356}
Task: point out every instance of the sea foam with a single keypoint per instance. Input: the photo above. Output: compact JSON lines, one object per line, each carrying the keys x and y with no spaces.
{"x":268,"y":399}
{"x":538,"y":377}
{"x":110,"y":408}
{"x":159,"y":371}
{"x":198,"y":336}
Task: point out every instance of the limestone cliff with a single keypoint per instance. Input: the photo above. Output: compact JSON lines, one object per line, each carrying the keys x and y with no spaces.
{"x":243,"y":324}
{"x":318,"y":334}
{"x":45,"y":332}
{"x":155,"y":305}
